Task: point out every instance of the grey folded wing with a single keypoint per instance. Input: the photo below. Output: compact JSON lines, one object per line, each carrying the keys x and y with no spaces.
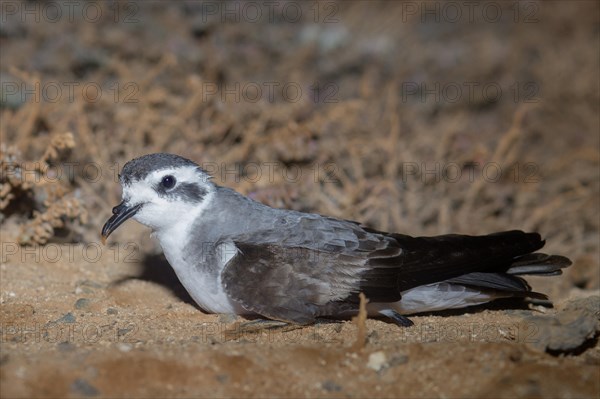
{"x":314,"y":267}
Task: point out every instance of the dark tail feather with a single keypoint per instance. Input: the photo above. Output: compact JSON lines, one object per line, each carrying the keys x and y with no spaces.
{"x":493,"y":281}
{"x":508,"y":284}
{"x":539,"y":264}
{"x":502,"y":284}
{"x":427,"y":260}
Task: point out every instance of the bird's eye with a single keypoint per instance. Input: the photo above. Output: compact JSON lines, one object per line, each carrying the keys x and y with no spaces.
{"x":168,"y":181}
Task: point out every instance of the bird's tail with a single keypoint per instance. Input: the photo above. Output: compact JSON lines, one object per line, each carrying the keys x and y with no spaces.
{"x":493,"y":262}
{"x":509,"y":284}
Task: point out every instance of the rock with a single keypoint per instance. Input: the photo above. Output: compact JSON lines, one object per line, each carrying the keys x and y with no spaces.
{"x":398,"y":360}
{"x":68,"y":318}
{"x":331,"y":386}
{"x":123,"y":331}
{"x":568,"y":330}
{"x":377,"y":361}
{"x":123,"y":347}
{"x":82,"y":387}
{"x":82,"y":303}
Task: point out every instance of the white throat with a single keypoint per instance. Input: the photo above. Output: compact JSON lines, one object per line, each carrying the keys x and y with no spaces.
{"x":175,"y":236}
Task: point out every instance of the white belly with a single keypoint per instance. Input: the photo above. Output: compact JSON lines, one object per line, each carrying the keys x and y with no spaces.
{"x":205,"y":289}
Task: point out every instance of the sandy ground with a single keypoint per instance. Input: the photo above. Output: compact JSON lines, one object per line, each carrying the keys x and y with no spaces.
{"x":364,"y":141}
{"x":115,"y":329}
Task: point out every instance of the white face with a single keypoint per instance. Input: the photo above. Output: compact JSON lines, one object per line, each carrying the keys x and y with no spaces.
{"x":169,"y":196}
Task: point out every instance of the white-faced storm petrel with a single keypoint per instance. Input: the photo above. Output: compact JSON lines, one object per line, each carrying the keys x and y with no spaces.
{"x":236,"y":255}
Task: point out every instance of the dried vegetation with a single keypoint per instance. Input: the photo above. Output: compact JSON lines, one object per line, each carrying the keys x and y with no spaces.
{"x":363,"y":140}
{"x":40,"y":198}
{"x":356,"y":143}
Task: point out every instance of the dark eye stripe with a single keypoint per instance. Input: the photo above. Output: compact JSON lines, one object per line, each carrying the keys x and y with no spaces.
{"x":188,"y":192}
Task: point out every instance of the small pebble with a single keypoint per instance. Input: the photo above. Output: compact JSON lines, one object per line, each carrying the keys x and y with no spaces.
{"x":68,"y":318}
{"x":398,"y":360}
{"x":82,"y":387}
{"x":123,"y":347}
{"x":331,"y":386}
{"x":82,"y":303}
{"x":123,"y":331}
{"x":377,"y":361}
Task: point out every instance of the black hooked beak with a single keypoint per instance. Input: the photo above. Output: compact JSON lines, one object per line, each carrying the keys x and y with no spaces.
{"x":121,"y":213}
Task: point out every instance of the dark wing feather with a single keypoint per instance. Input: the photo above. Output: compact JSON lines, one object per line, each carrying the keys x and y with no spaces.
{"x":278,"y":283}
{"x":312,"y":266}
{"x":266,"y":282}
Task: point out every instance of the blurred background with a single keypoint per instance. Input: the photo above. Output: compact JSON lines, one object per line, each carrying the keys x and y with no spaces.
{"x":417,"y":117}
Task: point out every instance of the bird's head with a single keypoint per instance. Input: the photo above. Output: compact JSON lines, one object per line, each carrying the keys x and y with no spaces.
{"x":160,"y":191}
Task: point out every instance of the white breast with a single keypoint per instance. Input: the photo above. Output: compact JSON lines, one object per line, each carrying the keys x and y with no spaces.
{"x":206,"y":289}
